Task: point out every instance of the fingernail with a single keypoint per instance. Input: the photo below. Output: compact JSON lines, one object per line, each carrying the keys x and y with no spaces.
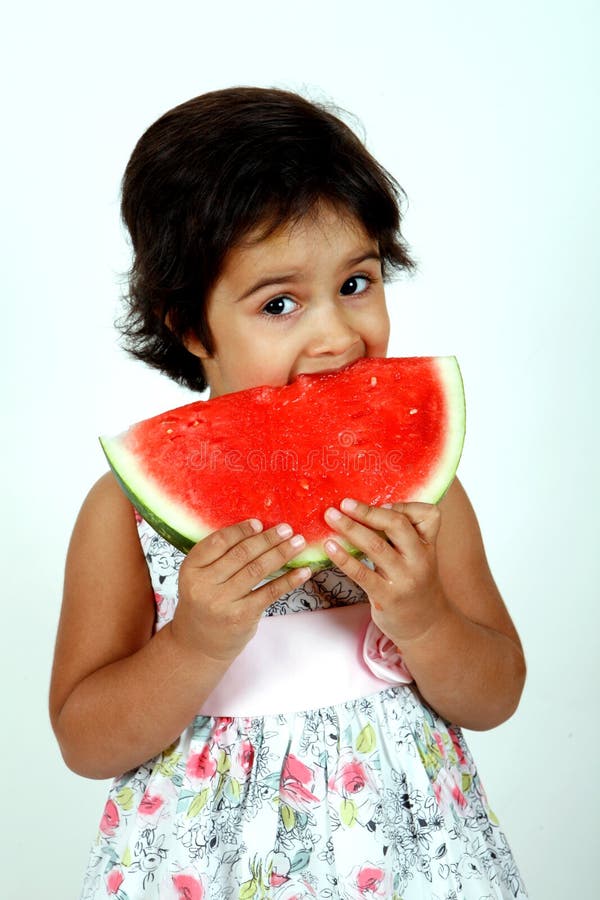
{"x":331,"y":547}
{"x":348,"y":504}
{"x":284,"y":530}
{"x":297,"y":540}
{"x":255,"y":524}
{"x":386,"y":505}
{"x":333,"y":514}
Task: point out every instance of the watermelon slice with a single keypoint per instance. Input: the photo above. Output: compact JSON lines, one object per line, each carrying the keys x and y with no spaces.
{"x":380,"y":430}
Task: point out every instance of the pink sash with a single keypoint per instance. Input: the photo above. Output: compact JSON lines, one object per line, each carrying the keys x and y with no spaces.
{"x":307,"y":660}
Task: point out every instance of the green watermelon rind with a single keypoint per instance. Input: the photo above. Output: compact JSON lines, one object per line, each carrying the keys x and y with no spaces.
{"x":451,"y":377}
{"x":154,"y":505}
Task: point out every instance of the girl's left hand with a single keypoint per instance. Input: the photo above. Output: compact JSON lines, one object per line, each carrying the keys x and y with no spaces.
{"x":405,"y":592}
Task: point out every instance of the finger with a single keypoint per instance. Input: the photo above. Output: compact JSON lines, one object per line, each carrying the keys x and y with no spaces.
{"x":364,"y":577}
{"x":424,"y":517}
{"x":364,"y":538}
{"x":260,"y":560}
{"x":269,"y":593}
{"x":215,"y":545}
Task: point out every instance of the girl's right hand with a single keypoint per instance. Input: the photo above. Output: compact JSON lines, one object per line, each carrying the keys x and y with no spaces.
{"x":218,"y":612}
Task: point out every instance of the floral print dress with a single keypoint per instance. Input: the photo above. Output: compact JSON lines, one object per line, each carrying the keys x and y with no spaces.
{"x":373,"y":798}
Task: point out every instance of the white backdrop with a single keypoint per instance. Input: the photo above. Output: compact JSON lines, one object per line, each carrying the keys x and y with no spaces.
{"x":488,"y":115}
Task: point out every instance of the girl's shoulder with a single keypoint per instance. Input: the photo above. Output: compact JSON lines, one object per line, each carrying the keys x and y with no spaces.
{"x":105,"y":538}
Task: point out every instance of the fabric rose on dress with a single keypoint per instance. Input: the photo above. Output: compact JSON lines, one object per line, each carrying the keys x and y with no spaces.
{"x":383,"y":658}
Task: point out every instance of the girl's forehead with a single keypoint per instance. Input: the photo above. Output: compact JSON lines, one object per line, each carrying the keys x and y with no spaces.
{"x":325,"y":227}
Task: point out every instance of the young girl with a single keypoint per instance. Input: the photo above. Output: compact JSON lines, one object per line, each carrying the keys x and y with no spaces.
{"x":263,"y":233}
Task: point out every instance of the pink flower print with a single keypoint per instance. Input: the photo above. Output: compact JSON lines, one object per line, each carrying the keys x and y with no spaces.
{"x":188,"y":887}
{"x":354,"y":779}
{"x":458,"y":797}
{"x":201,"y":765}
{"x":349,"y":779}
{"x":110,"y":819}
{"x":439,"y":743}
{"x":457,"y":747}
{"x":222,"y":724}
{"x":246,"y":757}
{"x":114,"y":881}
{"x":369,"y":880}
{"x":447,"y":791}
{"x":280,"y":869}
{"x":150,"y":804}
{"x":296,"y":779}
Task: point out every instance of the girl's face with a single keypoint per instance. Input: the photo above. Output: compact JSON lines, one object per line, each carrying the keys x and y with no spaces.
{"x":309,"y":298}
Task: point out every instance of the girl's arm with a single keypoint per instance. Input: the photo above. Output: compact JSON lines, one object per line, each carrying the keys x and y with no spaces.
{"x":119,"y":695}
{"x":433,"y":594}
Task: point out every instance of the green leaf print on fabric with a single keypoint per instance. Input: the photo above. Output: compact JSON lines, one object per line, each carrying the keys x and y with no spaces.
{"x":198,"y":803}
{"x":233,"y":790}
{"x":125,"y":798}
{"x":223,"y":763}
{"x":348,"y":812}
{"x":248,"y":890}
{"x":288,"y":817}
{"x":300,"y":861}
{"x":169,"y":762}
{"x":366,"y":740}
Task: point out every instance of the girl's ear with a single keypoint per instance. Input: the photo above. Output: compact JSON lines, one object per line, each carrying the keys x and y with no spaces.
{"x":191,"y":342}
{"x":194,"y":345}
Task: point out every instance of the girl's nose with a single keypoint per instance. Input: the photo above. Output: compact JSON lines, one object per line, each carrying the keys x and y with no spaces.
{"x":332,"y":333}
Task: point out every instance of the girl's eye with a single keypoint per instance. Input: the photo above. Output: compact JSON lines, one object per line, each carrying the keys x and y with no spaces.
{"x":357,"y":284}
{"x":353,"y":285}
{"x":274,"y":307}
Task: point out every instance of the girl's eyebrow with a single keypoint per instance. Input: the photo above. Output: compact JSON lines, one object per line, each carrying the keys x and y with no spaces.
{"x":295,"y":276}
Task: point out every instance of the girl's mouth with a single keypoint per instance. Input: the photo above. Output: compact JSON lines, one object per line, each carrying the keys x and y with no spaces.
{"x":330,"y":371}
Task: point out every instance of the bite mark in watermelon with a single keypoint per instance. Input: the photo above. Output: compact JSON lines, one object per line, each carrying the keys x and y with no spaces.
{"x":380,"y":430}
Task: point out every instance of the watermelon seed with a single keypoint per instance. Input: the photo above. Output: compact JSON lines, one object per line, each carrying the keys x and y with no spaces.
{"x":413,"y":411}
{"x":268,"y":501}
{"x":373,"y":381}
{"x":305,"y":485}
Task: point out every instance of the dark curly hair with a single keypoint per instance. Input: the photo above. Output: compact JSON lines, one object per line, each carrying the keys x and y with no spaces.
{"x":214,"y":169}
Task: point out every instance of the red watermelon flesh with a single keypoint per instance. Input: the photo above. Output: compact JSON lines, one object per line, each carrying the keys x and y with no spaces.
{"x":380,"y":430}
